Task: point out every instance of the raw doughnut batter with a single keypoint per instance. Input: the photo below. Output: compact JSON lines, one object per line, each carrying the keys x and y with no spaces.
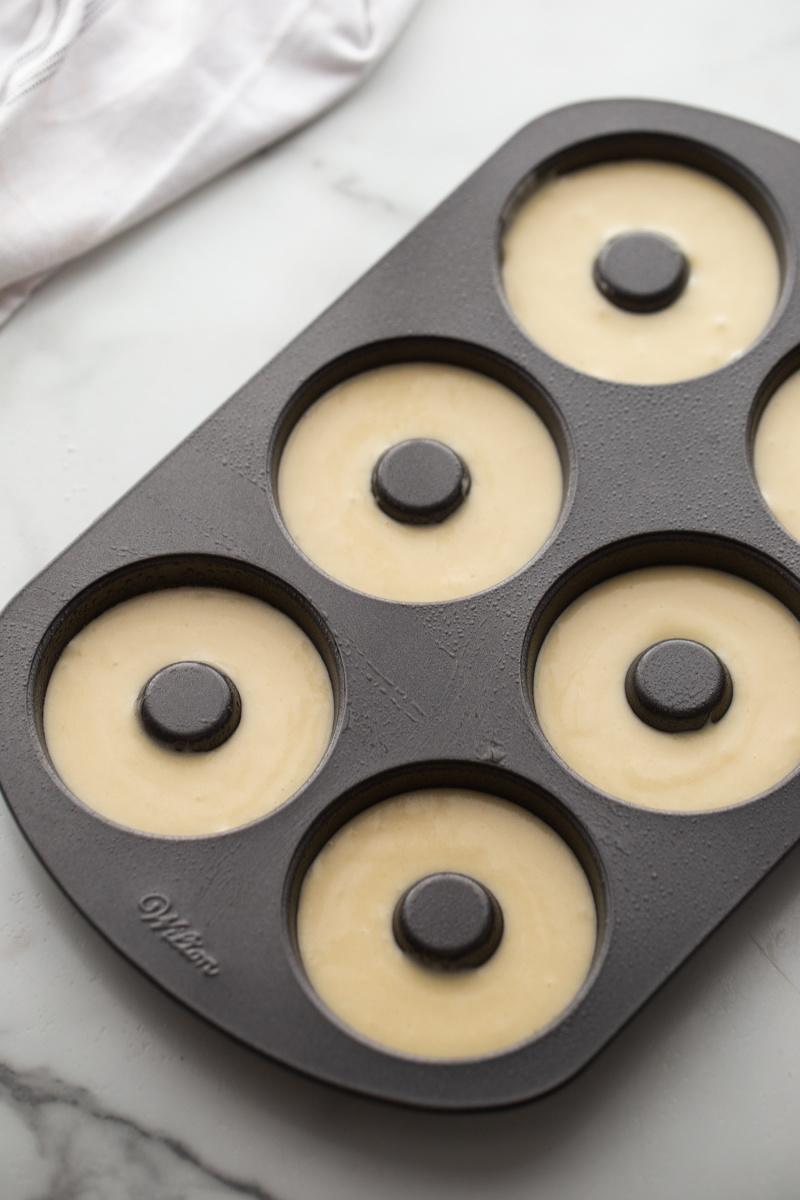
{"x":579,"y":688}
{"x":97,"y":743}
{"x":553,"y":241}
{"x":777,"y":454}
{"x":326,"y":495}
{"x":344,"y":924}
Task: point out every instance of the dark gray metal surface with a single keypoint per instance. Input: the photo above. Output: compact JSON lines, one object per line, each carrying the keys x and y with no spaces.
{"x":434,"y":694}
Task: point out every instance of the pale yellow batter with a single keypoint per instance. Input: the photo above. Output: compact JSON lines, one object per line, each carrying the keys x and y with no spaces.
{"x":98,"y":746}
{"x":326,"y":498}
{"x":579,"y":688}
{"x":551,"y":245}
{"x":344,"y":924}
{"x":776,"y":456}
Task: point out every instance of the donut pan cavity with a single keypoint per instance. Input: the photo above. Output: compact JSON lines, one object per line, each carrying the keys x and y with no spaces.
{"x":435,"y":695}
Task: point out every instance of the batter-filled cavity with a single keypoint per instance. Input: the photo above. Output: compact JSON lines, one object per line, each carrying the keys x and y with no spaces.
{"x":640,"y":271}
{"x":188,"y":711}
{"x":777,"y":454}
{"x":419,"y":482}
{"x":674,"y":688}
{"x":446,"y":924}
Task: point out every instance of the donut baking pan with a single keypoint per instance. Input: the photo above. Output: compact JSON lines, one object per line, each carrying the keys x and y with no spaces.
{"x":441,"y":687}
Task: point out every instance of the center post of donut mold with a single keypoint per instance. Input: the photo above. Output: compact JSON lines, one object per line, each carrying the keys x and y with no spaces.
{"x":448,"y":921}
{"x":190,"y":706}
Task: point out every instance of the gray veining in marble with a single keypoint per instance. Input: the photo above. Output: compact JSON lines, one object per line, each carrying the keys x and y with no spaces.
{"x":82,"y":1149}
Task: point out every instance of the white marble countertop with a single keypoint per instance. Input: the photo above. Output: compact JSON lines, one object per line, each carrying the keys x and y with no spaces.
{"x":108,"y":1089}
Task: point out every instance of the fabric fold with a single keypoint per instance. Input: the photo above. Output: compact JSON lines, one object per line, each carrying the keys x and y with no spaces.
{"x":112,"y":109}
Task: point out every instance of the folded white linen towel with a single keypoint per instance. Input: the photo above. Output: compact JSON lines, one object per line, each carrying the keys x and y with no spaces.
{"x":112,"y":109}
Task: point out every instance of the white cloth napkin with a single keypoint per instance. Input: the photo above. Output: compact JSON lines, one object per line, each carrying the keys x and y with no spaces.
{"x":112,"y":109}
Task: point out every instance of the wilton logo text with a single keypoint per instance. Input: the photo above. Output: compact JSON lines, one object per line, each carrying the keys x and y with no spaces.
{"x":157,"y":912}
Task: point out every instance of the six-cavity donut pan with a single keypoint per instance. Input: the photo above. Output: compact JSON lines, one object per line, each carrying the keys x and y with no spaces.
{"x":435,"y":694}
